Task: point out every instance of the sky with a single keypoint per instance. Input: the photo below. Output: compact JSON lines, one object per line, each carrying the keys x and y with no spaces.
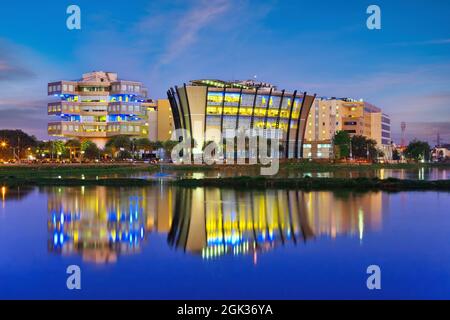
{"x":321,"y":46}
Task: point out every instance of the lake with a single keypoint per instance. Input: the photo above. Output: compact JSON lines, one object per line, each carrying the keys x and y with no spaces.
{"x":164,"y":242}
{"x":419,"y":173}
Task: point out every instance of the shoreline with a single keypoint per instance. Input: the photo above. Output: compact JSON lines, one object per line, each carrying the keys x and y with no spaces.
{"x":12,"y":169}
{"x":307,"y":183}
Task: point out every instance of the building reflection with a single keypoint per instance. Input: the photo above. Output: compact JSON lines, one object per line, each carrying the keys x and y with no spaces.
{"x":101,"y":223}
{"x":216,"y":222}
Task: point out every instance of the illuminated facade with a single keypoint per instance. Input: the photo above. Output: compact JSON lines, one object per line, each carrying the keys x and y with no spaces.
{"x":160,"y":119}
{"x":357,"y":117}
{"x":206,"y":106}
{"x":97,"y":107}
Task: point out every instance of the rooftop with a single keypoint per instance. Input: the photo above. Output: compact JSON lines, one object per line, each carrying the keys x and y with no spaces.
{"x":244,"y":84}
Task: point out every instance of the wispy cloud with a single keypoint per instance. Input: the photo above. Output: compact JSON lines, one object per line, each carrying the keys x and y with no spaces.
{"x":23,"y":94}
{"x":427,"y":131}
{"x":422,"y":43}
{"x":187,"y":29}
{"x":10,"y":68}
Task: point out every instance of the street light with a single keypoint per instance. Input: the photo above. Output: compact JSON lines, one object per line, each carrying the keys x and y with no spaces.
{"x":3,"y":144}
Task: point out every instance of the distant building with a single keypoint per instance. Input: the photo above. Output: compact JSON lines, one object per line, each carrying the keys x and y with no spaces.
{"x":219,"y":105}
{"x":441,"y":152}
{"x":97,"y":107}
{"x":357,"y":117}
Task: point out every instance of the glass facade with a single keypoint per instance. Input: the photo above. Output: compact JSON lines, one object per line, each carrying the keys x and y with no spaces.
{"x":240,"y":109}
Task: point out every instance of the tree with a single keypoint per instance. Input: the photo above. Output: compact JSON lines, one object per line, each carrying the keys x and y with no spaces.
{"x":143,"y":144}
{"x":119,"y":143}
{"x":417,"y":150}
{"x":72,"y":145}
{"x":168,"y":146}
{"x":341,"y":142}
{"x":124,"y":154}
{"x":15,"y":143}
{"x":90,"y":149}
{"x":363,"y":147}
{"x":396,"y":155}
{"x":157,"y":145}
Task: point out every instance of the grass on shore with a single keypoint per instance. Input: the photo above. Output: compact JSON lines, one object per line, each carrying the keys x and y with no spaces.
{"x":113,"y":168}
{"x":307,"y":183}
{"x":72,"y":169}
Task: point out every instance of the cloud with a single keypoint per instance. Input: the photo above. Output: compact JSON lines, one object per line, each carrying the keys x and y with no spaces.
{"x":10,"y":68}
{"x":23,"y":89}
{"x":427,"y":131}
{"x":186,"y":31}
{"x":169,"y":44}
{"x":423,"y":43}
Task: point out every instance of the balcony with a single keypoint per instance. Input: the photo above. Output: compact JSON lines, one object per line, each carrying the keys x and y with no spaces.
{"x":127,"y":87}
{"x":130,"y":108}
{"x":61,"y":107}
{"x":62,"y":87}
{"x":96,"y":129}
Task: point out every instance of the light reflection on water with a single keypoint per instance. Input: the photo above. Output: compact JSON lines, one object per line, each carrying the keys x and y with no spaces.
{"x":215,"y":240}
{"x":101,"y":223}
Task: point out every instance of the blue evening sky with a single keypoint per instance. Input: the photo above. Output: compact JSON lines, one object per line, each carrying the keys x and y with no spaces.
{"x":320,"y":46}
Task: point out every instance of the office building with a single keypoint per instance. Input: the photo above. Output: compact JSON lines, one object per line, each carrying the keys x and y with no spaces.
{"x":205,"y":106}
{"x":97,"y":107}
{"x":357,"y":117}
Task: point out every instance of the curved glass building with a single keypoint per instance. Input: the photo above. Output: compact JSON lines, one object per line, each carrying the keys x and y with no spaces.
{"x":203,"y":105}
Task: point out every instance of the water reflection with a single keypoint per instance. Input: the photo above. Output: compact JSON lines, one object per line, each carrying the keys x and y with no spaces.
{"x":13,"y":193}
{"x":216,"y":222}
{"x":419,"y":173}
{"x":101,"y":223}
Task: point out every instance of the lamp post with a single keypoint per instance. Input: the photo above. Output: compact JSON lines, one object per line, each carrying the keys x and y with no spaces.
{"x":3,"y":144}
{"x":351,"y":153}
{"x":368,"y":153}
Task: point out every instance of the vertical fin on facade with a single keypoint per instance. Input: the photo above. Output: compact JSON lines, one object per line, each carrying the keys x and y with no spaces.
{"x":252,"y":120}
{"x":239,"y":109}
{"x":296,"y":153}
{"x":266,"y":115}
{"x":294,"y":96}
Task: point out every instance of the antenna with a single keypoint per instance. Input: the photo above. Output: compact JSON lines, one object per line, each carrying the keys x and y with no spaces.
{"x":403,"y":127}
